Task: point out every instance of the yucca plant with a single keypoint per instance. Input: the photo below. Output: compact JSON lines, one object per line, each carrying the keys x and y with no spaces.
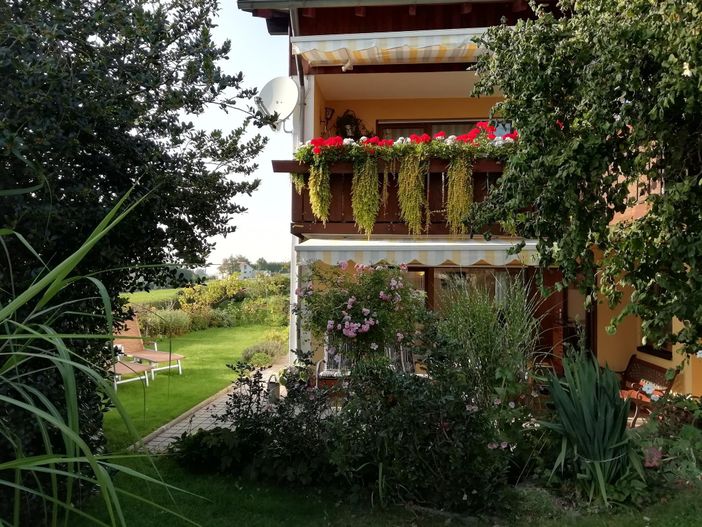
{"x":54,"y":479}
{"x":591,"y":417}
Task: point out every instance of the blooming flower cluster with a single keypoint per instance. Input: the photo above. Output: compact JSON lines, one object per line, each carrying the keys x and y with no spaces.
{"x":482,"y":133}
{"x":361,"y":310}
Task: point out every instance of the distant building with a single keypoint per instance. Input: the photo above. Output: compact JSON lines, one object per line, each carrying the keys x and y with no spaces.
{"x":246,"y":271}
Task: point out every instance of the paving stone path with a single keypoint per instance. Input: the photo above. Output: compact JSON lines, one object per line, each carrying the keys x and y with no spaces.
{"x":200,"y":416}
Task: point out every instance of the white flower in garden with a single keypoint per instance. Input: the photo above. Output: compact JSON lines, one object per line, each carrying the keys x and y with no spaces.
{"x":687,"y":71}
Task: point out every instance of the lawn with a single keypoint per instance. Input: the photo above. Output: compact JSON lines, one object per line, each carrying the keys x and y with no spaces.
{"x":204,"y":373}
{"x":234,"y":502}
{"x":155,"y":295}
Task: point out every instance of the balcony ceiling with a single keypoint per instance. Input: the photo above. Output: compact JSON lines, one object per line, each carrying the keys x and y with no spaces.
{"x":415,"y":85}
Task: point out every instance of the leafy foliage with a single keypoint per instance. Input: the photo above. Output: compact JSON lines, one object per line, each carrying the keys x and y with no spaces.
{"x":487,"y":342}
{"x":591,"y":418}
{"x":42,"y":481}
{"x":406,"y":438}
{"x":361,"y":312}
{"x":365,"y":194}
{"x":608,"y":104}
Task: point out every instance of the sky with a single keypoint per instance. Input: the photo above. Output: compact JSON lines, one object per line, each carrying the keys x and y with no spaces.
{"x":263,"y":231}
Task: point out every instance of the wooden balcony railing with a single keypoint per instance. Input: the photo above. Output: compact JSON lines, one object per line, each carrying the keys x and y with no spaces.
{"x":341,"y":221}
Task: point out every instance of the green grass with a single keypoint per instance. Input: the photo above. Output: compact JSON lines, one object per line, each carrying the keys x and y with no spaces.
{"x":204,"y":373}
{"x":155,"y":295}
{"x":231,"y":502}
{"x":235,"y":502}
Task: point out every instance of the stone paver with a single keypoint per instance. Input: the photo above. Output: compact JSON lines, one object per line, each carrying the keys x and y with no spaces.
{"x":202,"y":416}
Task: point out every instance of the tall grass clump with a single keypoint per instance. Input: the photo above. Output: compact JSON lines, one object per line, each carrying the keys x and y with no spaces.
{"x":44,"y":386}
{"x":488,"y":336}
{"x":591,"y":418}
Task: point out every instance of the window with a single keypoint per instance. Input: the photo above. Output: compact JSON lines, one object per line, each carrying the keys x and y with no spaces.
{"x":395,"y":129}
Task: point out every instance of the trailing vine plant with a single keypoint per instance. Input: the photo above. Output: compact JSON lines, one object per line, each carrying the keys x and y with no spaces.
{"x":365,"y":194}
{"x":410,"y":191}
{"x":298,"y":181}
{"x":460,"y":193}
{"x":320,"y":191}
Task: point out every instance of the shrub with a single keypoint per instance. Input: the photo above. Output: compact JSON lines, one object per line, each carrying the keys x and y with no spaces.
{"x":164,"y":322}
{"x":361,"y":313}
{"x":671,"y":440}
{"x":270,"y":349}
{"x":486,"y":342}
{"x":261,"y":360}
{"x":271,"y":311}
{"x":591,"y":419}
{"x":284,"y":442}
{"x":408,"y":438}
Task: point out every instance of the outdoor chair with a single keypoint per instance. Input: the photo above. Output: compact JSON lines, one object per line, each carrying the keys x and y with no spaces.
{"x":643,"y":383}
{"x":153,"y":358}
{"x":122,"y":368}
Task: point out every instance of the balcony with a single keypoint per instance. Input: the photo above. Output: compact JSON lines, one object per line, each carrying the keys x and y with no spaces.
{"x":341,"y":221}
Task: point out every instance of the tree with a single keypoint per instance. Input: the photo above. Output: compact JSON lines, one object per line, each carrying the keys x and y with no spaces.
{"x":97,"y":99}
{"x":608,"y":103}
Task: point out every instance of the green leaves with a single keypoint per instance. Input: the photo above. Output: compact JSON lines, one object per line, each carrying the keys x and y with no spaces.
{"x":592,"y":420}
{"x":608,"y":102}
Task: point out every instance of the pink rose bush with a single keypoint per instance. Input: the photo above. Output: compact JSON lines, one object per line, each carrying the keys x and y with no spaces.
{"x":363,"y":310}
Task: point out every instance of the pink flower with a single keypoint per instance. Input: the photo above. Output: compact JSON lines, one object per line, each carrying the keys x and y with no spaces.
{"x":653,"y":457}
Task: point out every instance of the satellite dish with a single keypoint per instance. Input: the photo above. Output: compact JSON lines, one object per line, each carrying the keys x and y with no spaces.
{"x":279,"y":96}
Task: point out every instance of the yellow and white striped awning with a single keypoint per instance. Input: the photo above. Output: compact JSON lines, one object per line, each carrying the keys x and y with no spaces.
{"x":396,"y":47}
{"x":462,"y":253}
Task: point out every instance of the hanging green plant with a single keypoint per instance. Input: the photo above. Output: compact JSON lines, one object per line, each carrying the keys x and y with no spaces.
{"x":410,"y":191}
{"x":460,"y":193}
{"x":365,"y":194}
{"x":320,"y":191}
{"x":298,"y":181}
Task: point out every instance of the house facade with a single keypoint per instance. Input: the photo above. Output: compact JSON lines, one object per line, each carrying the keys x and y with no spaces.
{"x":391,"y":69}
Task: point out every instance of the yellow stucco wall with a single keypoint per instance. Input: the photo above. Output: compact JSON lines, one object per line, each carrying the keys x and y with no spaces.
{"x":615,"y":350}
{"x":370,"y":111}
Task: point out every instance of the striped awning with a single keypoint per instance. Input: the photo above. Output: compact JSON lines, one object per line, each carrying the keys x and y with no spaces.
{"x":397,"y":47}
{"x":462,"y":253}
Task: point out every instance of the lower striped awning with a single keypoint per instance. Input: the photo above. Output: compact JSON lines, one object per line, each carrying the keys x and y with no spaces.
{"x":462,"y":253}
